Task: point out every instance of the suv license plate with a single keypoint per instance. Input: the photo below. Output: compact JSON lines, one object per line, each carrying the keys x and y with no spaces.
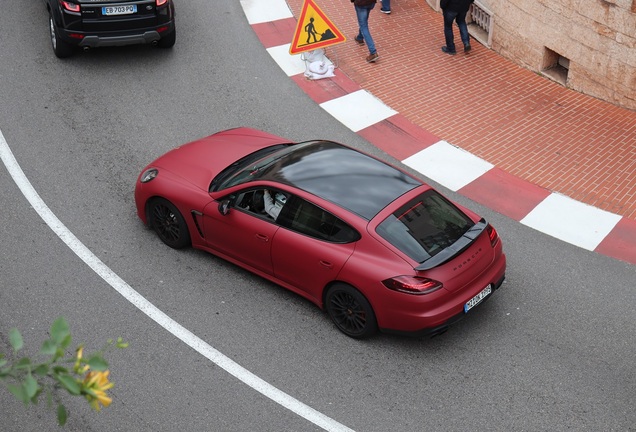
{"x":119,"y":10}
{"x":478,"y":298}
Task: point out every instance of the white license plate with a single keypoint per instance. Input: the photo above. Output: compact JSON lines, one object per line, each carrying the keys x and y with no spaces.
{"x":119,"y":10}
{"x":478,"y":298}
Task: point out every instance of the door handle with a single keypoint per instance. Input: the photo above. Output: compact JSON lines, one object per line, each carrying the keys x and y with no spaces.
{"x":262,"y":238}
{"x":326,"y":264}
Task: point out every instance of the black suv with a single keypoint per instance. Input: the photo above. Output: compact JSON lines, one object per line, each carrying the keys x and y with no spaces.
{"x":94,"y":23}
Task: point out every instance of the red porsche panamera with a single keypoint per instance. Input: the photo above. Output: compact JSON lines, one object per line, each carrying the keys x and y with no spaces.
{"x":377,"y":248}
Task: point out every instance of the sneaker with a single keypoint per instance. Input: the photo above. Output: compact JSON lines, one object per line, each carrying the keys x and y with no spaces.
{"x":448,"y":51}
{"x":386,"y":11}
{"x":467,"y":48}
{"x":360,"y":41}
{"x":372,"y":58}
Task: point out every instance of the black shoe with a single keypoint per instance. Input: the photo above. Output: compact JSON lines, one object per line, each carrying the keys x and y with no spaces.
{"x":360,"y":41}
{"x":385,"y":11}
{"x":448,"y":51}
{"x":467,"y":48}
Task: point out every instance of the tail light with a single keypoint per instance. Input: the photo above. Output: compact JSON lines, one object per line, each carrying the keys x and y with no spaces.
{"x":72,"y":7}
{"x":161,"y":2}
{"x":412,"y":284}
{"x":492,"y":234}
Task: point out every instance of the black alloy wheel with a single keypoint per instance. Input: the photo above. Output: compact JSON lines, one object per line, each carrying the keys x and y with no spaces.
{"x":168,"y":223}
{"x":351,"y":312}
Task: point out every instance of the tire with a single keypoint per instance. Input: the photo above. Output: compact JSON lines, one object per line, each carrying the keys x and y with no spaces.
{"x":350,"y":311}
{"x":168,"y":223}
{"x":168,"y":40}
{"x":60,"y":48}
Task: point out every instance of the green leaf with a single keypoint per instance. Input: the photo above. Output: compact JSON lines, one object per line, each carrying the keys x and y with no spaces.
{"x":48,"y":347}
{"x":66,"y":341}
{"x":30,"y":386}
{"x":59,"y":330}
{"x":16,"y":339}
{"x":58,"y":370}
{"x":61,"y":415}
{"x":19,"y":393}
{"x":41,"y":369}
{"x":34,"y":399}
{"x":23,"y":363}
{"x":97,"y":363}
{"x":69,"y":383}
{"x":3,"y":361}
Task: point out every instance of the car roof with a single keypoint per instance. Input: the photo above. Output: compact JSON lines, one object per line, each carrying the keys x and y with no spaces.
{"x":339,"y":174}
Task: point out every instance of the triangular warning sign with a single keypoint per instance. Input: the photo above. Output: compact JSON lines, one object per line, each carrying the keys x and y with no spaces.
{"x":314,"y":30}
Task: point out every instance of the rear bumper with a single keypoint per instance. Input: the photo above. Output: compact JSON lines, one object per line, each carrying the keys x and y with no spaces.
{"x":431,"y":322}
{"x":438,"y":330}
{"x":135,"y":39}
{"x":131,"y":37}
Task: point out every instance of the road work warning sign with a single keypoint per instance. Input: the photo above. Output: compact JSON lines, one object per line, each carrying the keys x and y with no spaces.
{"x":314,"y":30}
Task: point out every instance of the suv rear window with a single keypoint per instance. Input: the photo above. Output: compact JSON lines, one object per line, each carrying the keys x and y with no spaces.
{"x":425,"y":226}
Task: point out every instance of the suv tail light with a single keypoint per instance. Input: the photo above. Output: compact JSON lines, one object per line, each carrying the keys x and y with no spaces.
{"x":492,"y":234}
{"x":72,"y":7}
{"x":412,"y":284}
{"x":161,"y":2}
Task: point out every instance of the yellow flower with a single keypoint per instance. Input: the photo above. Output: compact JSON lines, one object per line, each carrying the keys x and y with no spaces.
{"x":78,"y":358}
{"x":94,"y":387}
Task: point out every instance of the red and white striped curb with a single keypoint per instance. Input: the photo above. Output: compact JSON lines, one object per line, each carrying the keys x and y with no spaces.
{"x":551,"y":213}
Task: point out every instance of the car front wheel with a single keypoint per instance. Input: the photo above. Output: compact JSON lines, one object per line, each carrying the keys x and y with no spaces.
{"x":168,"y":223}
{"x":350,"y":311}
{"x":60,"y":48}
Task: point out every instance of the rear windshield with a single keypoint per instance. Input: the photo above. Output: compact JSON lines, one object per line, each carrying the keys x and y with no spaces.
{"x":425,"y":226}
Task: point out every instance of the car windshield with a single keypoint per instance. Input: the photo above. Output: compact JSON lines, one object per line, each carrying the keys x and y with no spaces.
{"x":425,"y":226}
{"x":248,"y":167}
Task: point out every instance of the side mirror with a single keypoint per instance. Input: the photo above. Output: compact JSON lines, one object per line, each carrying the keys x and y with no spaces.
{"x":224,"y":207}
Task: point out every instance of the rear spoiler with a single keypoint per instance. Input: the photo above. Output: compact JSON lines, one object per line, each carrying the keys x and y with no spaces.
{"x":456,"y":248}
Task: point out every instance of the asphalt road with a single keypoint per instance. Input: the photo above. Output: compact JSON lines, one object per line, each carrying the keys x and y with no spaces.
{"x":552,"y":350}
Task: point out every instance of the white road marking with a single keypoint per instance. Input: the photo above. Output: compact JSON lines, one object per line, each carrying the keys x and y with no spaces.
{"x":152,"y":311}
{"x":571,"y":221}
{"x":290,"y":64}
{"x":448,"y":165}
{"x":358,"y":110}
{"x":259,"y":11}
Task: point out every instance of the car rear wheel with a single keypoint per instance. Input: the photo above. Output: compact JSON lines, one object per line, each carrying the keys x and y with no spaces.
{"x":168,"y":223}
{"x":60,"y":48}
{"x":350,"y":311}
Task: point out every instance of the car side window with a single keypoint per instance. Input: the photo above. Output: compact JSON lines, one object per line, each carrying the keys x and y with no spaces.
{"x":265,"y":203}
{"x":307,"y":218}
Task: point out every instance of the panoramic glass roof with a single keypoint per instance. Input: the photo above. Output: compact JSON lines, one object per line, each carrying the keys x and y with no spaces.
{"x":341,"y":175}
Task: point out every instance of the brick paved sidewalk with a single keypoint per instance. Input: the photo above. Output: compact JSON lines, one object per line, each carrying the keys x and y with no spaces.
{"x":525,"y":124}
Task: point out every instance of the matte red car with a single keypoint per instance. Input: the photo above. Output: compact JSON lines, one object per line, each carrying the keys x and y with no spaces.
{"x":374,"y":246}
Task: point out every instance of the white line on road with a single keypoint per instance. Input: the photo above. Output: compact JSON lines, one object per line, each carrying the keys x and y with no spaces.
{"x":152,"y":311}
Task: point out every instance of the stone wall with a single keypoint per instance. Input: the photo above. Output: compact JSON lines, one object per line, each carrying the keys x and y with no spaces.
{"x":587,"y":45}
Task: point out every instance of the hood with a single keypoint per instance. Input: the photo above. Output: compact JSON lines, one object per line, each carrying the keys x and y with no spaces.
{"x":200,"y":161}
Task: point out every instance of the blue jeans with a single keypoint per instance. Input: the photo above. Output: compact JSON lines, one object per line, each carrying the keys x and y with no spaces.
{"x":460,"y":17}
{"x":362,"y":12}
{"x":386,"y":4}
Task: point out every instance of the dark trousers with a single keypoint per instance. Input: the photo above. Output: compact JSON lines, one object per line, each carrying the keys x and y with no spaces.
{"x":460,"y":18}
